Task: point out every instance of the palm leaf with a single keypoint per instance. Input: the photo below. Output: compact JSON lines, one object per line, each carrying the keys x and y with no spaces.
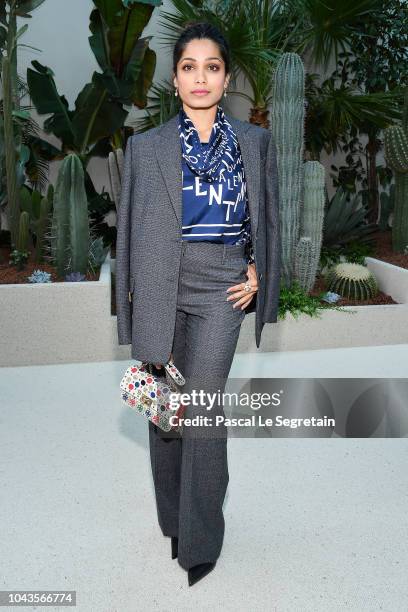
{"x":330,"y":23}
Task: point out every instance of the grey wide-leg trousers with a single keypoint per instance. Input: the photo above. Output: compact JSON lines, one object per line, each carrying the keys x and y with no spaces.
{"x":190,"y":472}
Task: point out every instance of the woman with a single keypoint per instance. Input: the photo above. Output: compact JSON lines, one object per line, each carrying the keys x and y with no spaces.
{"x":198,"y":247}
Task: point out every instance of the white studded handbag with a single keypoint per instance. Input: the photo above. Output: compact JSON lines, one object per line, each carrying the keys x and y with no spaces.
{"x":153,"y":396}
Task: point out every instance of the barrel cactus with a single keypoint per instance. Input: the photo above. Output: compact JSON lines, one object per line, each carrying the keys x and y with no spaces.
{"x":396,"y":156}
{"x":352,"y":281}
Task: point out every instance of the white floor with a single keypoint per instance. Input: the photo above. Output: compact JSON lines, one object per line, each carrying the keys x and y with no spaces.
{"x":311,"y":524}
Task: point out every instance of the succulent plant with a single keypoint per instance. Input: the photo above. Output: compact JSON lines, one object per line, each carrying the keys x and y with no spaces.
{"x":40,"y":276}
{"x":19,"y":258}
{"x":331,"y":297}
{"x":74,"y":277}
{"x":346,"y":221}
{"x":352,"y":281}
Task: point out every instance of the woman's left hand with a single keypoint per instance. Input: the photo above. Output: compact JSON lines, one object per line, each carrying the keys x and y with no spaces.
{"x":159,"y":365}
{"x":243,"y":298}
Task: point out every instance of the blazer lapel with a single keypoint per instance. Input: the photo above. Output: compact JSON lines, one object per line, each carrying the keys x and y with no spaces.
{"x":251,"y":160}
{"x":168,"y":152}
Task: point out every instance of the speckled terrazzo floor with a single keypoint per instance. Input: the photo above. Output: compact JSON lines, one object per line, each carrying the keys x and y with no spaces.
{"x":311,"y":525}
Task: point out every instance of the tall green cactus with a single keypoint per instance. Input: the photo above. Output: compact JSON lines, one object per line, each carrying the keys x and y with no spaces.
{"x":287,"y":119}
{"x":311,"y":224}
{"x":396,"y":156}
{"x":301,"y":185}
{"x":70,"y":218}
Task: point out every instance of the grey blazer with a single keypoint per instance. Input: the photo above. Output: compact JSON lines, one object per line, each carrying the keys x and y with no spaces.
{"x":149,"y":219}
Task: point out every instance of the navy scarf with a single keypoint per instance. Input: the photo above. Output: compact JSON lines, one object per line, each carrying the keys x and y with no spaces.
{"x":216,"y":160}
{"x":219,"y":160}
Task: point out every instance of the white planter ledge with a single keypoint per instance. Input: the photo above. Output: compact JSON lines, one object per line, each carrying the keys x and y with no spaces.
{"x":365,"y":326}
{"x":64,"y":322}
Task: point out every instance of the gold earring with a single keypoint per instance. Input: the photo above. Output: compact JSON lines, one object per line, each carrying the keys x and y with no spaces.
{"x":225,"y":93}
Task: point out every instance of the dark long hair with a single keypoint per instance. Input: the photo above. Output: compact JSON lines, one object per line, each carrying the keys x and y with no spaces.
{"x":201,"y":29}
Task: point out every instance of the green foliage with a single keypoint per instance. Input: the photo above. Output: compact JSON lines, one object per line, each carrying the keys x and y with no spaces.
{"x":325,"y":28}
{"x":14,"y":150}
{"x":296,"y":301}
{"x":329,"y":256}
{"x":18,"y":258}
{"x":380,"y":48}
{"x":353,"y":252}
{"x":127,"y":65}
{"x":338,"y":112}
{"x":96,"y":123}
{"x":345,"y":221}
{"x":356,"y":252}
{"x":377,"y":65}
{"x":96,"y":115}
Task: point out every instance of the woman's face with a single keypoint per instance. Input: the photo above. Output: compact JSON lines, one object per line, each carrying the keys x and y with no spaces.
{"x":201,"y":67}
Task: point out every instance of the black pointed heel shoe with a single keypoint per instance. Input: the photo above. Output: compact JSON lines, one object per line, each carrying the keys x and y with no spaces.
{"x":199,"y":571}
{"x":174,"y":547}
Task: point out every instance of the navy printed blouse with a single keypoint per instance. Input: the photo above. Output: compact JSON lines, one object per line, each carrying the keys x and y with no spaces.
{"x":217,"y":212}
